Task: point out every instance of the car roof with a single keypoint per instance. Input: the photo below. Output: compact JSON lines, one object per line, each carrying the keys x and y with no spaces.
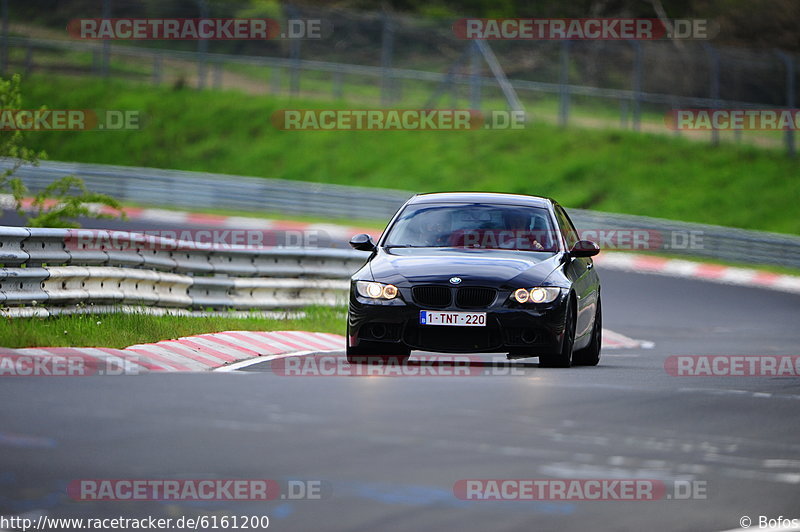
{"x":482,"y":197}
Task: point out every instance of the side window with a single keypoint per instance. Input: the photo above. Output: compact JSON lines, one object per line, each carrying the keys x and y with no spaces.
{"x":567,"y":229}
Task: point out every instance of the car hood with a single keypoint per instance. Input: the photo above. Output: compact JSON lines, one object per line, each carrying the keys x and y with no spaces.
{"x":421,"y":265}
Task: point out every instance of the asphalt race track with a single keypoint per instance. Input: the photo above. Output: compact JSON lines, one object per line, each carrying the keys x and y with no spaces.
{"x":389,"y":450}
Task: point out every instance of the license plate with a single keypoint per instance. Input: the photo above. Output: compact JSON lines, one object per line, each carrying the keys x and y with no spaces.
{"x":458,"y":319}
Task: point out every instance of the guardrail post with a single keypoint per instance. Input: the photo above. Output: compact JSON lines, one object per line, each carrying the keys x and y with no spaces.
{"x":789,"y":62}
{"x":563,"y":84}
{"x":713,"y":60}
{"x":387,"y":51}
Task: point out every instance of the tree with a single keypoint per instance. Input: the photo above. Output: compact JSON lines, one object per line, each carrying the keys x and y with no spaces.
{"x":63,"y":200}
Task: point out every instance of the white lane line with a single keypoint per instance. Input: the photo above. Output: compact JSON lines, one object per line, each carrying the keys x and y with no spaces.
{"x":748,"y":393}
{"x":615,"y":340}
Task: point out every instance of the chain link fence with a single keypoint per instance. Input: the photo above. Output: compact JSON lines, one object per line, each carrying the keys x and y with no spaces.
{"x":381,"y":58}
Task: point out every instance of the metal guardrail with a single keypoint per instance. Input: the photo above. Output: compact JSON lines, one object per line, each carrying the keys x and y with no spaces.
{"x":56,"y":267}
{"x":193,"y":190}
{"x":198,"y":190}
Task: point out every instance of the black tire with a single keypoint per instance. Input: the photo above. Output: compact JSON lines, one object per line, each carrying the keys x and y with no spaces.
{"x":590,"y":355}
{"x":377,"y":352}
{"x":563,"y":359}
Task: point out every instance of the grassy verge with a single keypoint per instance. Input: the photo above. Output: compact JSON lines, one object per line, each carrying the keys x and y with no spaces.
{"x":615,"y":171}
{"x":122,"y":330}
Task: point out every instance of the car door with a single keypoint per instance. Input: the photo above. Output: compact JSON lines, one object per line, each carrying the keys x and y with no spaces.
{"x":581,"y":272}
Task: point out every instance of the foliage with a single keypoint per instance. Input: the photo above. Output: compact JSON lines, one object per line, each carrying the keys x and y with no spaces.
{"x":59,"y":203}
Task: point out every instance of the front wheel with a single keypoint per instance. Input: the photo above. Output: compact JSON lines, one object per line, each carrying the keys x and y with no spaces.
{"x":590,"y":355}
{"x":563,"y":359}
{"x":377,"y":352}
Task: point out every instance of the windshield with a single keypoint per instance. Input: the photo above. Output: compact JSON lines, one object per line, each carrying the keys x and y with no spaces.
{"x":473,"y":226}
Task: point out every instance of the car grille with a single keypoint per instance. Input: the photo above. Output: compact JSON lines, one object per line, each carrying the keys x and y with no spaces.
{"x":453,"y":339}
{"x":475,"y":297}
{"x":432,"y":296}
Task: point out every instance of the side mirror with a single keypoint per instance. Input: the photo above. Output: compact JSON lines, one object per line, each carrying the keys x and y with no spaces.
{"x":362,"y":242}
{"x":584,"y":248}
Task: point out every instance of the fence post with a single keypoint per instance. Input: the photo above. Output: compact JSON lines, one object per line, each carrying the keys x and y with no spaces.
{"x":713,"y":59}
{"x":337,"y":85}
{"x":789,"y":62}
{"x":294,"y":55}
{"x":475,"y":77}
{"x":623,"y":114}
{"x":637,"y":84}
{"x":217,"y":75}
{"x":4,"y":58}
{"x":156,"y":69}
{"x":387,"y":52}
{"x":674,"y":106}
{"x":275,"y":80}
{"x":106,"y":42}
{"x":563,"y":81}
{"x":202,"y":48}
{"x":29,"y":58}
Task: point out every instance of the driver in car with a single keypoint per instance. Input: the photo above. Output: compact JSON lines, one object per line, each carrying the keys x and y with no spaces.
{"x":518,"y":234}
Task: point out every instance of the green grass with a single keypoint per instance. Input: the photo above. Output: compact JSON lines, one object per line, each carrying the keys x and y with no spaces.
{"x":123,"y":330}
{"x":615,"y":171}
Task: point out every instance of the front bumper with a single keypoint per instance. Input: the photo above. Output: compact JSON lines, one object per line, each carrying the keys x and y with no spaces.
{"x":510,"y":327}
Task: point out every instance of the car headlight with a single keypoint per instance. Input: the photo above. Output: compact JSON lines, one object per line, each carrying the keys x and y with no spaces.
{"x":538,"y":294}
{"x":375,"y":290}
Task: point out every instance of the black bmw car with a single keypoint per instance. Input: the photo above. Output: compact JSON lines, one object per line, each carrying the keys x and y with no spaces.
{"x":477,"y":273}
